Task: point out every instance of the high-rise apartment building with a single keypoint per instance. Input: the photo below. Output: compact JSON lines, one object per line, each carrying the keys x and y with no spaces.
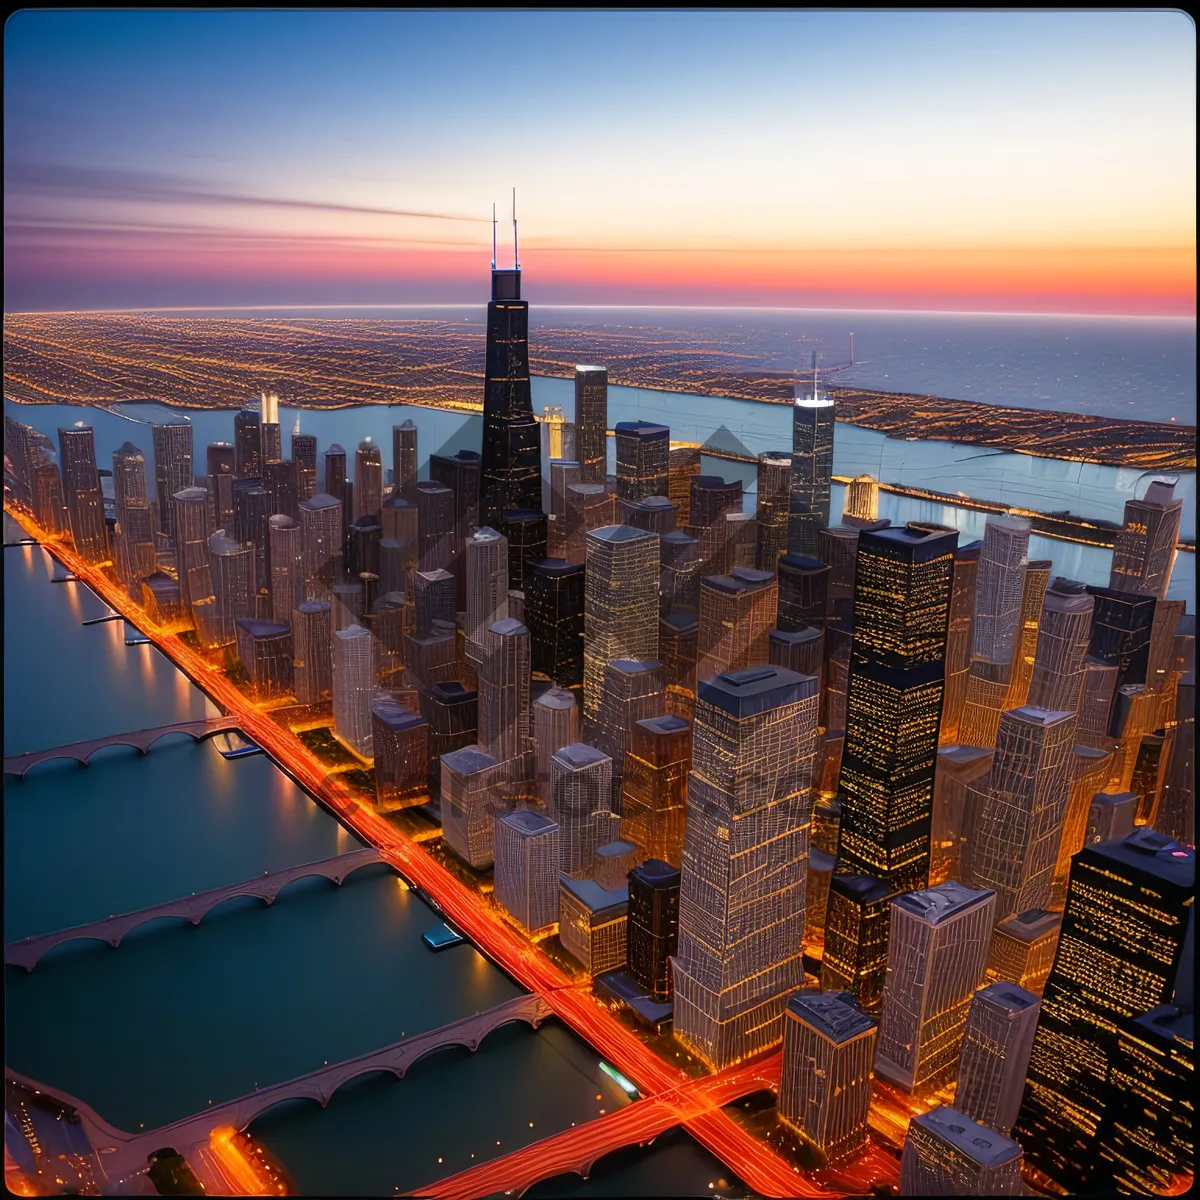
{"x":247,"y":442}
{"x":504,"y":692}
{"x":1022,"y":949}
{"x":251,"y":517}
{"x":1144,"y":550}
{"x":368,"y":480}
{"x":555,"y":725}
{"x":172,"y":466}
{"x":231,"y":570}
{"x":1018,"y":809}
{"x":400,"y":740}
{"x":554,"y":592}
{"x":1001,"y":1023}
{"x":774,"y":499}
{"x":803,"y":592}
{"x":591,"y":423}
{"x":471,"y":782}
{"x":135,"y":555}
{"x":321,"y":544}
{"x":312,"y":645}
{"x":353,"y":688}
{"x":633,"y":691}
{"x":737,"y":612}
{"x":49,"y":508}
{"x":191,"y":521}
{"x":620,"y":605}
{"x":404,"y":458}
{"x":937,"y":957}
{"x":825,"y":1076}
{"x":812,"y":468}
{"x":526,"y":852}
{"x":1119,"y":953}
{"x":658,"y":757}
{"x":948,"y":1154}
{"x":857,"y":921}
{"x":653,"y":932}
{"x":265,"y":649}
{"x":741,"y":908}
{"x":894,"y":701}
{"x":580,"y":803}
{"x":304,"y":463}
{"x":287,"y":567}
{"x":642,"y":459}
{"x":487,"y":587}
{"x":81,"y":491}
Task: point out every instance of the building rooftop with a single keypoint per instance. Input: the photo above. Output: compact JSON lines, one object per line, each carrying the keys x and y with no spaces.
{"x":512,"y":516}
{"x":678,"y":536}
{"x":834,"y":1014}
{"x":616,"y":849}
{"x":1168,"y":1022}
{"x":578,"y":755}
{"x":618,"y":533}
{"x":682,"y":620}
{"x":643,"y":429}
{"x":801,"y":562}
{"x":554,"y":568}
{"x":258,"y":628}
{"x":861,"y":889}
{"x":600,"y":901}
{"x":557,"y":698}
{"x":526,"y":821}
{"x":1008,"y":996}
{"x":985,"y":1146}
{"x":351,"y":632}
{"x":469,"y":760}
{"x":632,"y":666}
{"x":797,"y":637}
{"x":395,"y":715}
{"x":963,"y":755}
{"x":452,"y":693}
{"x":663,"y":725}
{"x":920,"y":540}
{"x":1040,"y":716}
{"x":1009,"y":522}
{"x":221,"y":543}
{"x":313,"y":606}
{"x":1146,"y":850}
{"x":485,"y":533}
{"x":1031,"y":924}
{"x":506,"y":626}
{"x":747,"y":693}
{"x":937,"y":904}
{"x":651,"y":503}
{"x":821,"y":862}
{"x":657,"y":874}
{"x":1162,"y":491}
{"x":320,"y":500}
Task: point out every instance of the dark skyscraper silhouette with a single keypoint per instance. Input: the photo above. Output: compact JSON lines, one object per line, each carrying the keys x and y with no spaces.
{"x":512,"y":476}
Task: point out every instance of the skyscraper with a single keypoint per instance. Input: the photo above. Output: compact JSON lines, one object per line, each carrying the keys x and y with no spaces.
{"x":580,"y":803}
{"x":504,"y":692}
{"x":679,"y":573}
{"x":287,"y":567}
{"x":1018,"y":808}
{"x":554,"y":592}
{"x":353,"y":688}
{"x":1121,"y":625}
{"x":1176,"y":813}
{"x":1110,"y":817}
{"x":592,"y":923}
{"x":1144,"y":550}
{"x":265,"y":648}
{"x":862,"y":499}
{"x":321,"y":544}
{"x":948,"y":1154}
{"x":812,"y":467}
{"x":741,"y":908}
{"x":653,"y":931}
{"x":270,"y":435}
{"x":555,"y":725}
{"x":363,"y":536}
{"x":658,"y":757}
{"x":81,"y":491}
{"x":1033,"y":596}
{"x":633,"y":691}
{"x":684,"y":466}
{"x":435,"y":525}
{"x":998,"y":588}
{"x":368,"y":479}
{"x":400,"y":740}
{"x":856,"y":938}
{"x":312,"y":645}
{"x":251,"y":527}
{"x":958,"y":640}
{"x":434,"y":600}
{"x":404,"y":458}
{"x":136,"y":560}
{"x":1062,"y":643}
{"x":642,"y":452}
{"x":620,"y":604}
{"x":894,"y":702}
{"x":525,"y":531}
{"x":1001,"y":1023}
{"x":1022,"y":949}
{"x":304,"y":463}
{"x":1119,"y":953}
{"x":957,"y":767}
{"x":460,"y":473}
{"x":49,"y":509}
{"x":589,"y":506}
{"x":825,"y":1076}
{"x":937,"y":956}
{"x":471,"y":779}
{"x":231,"y":569}
{"x":591,"y":423}
{"x":191,"y":521}
{"x":737,"y":612}
{"x":511,"y":474}
{"x":774,"y":493}
{"x":655,"y":514}
{"x":526,"y":850}
{"x":803,"y":592}
{"x":247,"y":441}
{"x":487,"y":587}
{"x":172,"y":466}
{"x":563,"y":473}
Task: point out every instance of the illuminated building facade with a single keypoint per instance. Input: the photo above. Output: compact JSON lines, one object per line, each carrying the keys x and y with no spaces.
{"x":591,"y":423}
{"x":504,"y":692}
{"x":937,"y":956}
{"x":825,"y":1076}
{"x":1062,"y":643}
{"x":161,"y":599}
{"x":678,"y":638}
{"x":948,"y":1154}
{"x":812,"y":468}
{"x":172,"y":466}
{"x":1121,"y":623}
{"x":957,"y":767}
{"x":1089,"y":774}
{"x":135,"y":554}
{"x":191,"y":522}
{"x":999,"y":587}
{"x":741,"y":906}
{"x":774,"y":495}
{"x":265,"y":648}
{"x":554,"y":591}
{"x":435,"y":526}
{"x":857,"y":920}
{"x":287,"y":567}
{"x":958,"y":640}
{"x":81,"y":491}
{"x":658,"y":757}
{"x":231,"y":570}
{"x":1033,"y":595}
{"x":803,"y":592}
{"x":1018,"y":808}
{"x":1144,"y":550}
{"x":894,"y":701}
{"x":620,"y":605}
{"x":1110,"y":817}
{"x":312,"y":645}
{"x":683,"y":467}
{"x":653,"y":932}
{"x":563,"y":473}
{"x":802,"y":651}
{"x":471,"y":781}
{"x":737,"y":612}
{"x":555,"y":725}
{"x":49,"y":510}
{"x":679,"y":578}
{"x":511,"y":473}
{"x":400,"y":740}
{"x":270,"y":437}
{"x":304,"y":463}
{"x":526,"y":867}
{"x":460,"y":473}
{"x":346,"y":603}
{"x":368,"y":480}
{"x":633,"y":691}
{"x":589,"y":506}
{"x":434,"y":599}
{"x":453,"y":715}
{"x":592,"y":923}
{"x":642,"y":459}
{"x":862,"y":499}
{"x":1022,"y":949}
{"x":580,"y":803}
{"x":247,"y":442}
{"x":337,"y":482}
{"x":279,"y":479}
{"x":1001,"y":1023}
{"x":656,"y":514}
{"x":251,"y":514}
{"x":1176,"y":814}
{"x":1119,"y":954}
{"x":321,"y":544}
{"x":353,"y":688}
{"x":487,"y":587}
{"x":404,"y":458}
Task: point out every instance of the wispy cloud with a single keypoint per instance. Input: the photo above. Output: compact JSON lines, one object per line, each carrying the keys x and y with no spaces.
{"x":98,"y":183}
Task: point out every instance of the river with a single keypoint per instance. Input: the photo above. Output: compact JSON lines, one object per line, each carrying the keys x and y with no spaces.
{"x":179,"y":1016}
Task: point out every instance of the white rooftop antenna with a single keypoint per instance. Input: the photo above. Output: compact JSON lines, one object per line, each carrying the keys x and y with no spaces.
{"x":493,"y":237}
{"x":516,"y":256}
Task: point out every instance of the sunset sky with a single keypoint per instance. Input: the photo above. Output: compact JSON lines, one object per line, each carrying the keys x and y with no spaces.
{"x":1003,"y":162}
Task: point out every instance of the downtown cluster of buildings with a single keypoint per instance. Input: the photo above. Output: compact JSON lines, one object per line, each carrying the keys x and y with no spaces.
{"x":915,"y":811}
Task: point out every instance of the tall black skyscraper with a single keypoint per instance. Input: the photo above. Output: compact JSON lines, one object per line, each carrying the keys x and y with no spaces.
{"x":512,"y":472}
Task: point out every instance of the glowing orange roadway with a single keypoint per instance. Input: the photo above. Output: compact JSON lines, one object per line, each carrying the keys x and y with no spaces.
{"x":764,"y":1171}
{"x":576,"y":1149}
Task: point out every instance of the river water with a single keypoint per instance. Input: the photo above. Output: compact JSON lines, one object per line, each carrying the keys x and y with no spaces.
{"x":179,"y":1016}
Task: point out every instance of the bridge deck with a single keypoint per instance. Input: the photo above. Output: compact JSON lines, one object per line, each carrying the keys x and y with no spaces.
{"x":27,"y":951}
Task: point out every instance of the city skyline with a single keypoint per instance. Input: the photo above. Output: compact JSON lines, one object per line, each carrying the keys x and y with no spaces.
{"x":989,"y":212}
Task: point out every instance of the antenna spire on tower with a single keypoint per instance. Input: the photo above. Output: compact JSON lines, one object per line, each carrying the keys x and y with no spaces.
{"x":493,"y":237}
{"x":516,"y":256}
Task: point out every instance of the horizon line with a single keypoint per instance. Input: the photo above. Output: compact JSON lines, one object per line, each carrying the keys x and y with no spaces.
{"x":940,"y":312}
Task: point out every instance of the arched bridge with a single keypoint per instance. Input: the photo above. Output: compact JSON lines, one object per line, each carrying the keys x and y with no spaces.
{"x":142,"y":739}
{"x":123,"y":1153}
{"x":577,"y":1149}
{"x":27,"y":951}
